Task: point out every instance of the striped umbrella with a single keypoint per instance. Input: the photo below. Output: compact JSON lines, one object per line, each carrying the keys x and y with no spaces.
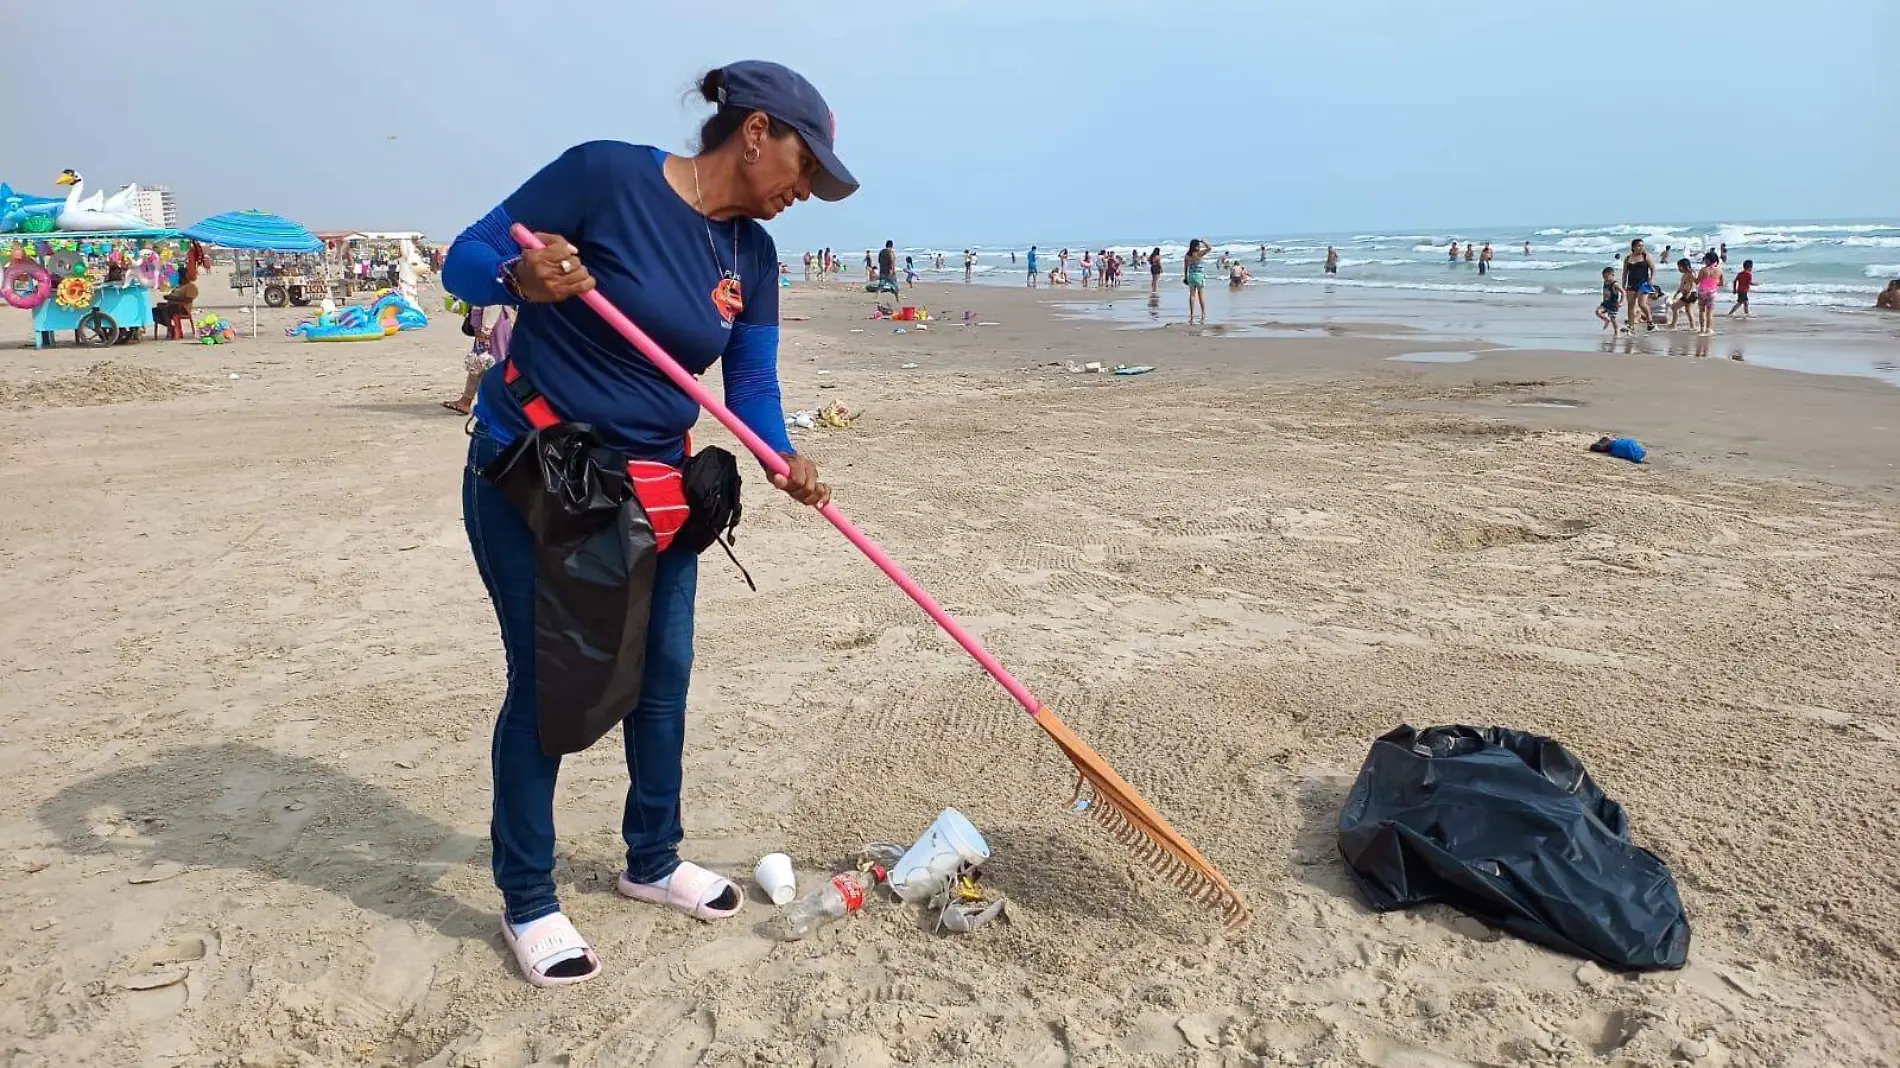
{"x":259,"y":231}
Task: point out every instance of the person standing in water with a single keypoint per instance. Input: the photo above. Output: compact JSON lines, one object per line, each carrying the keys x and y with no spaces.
{"x":1332,"y":260}
{"x":1030,"y":258}
{"x":1471,"y":252}
{"x":1154,"y":270}
{"x":1484,"y":259}
{"x":1527,"y":248}
{"x":1452,"y":256}
{"x":1637,"y":269}
{"x":1194,"y":275}
{"x":1708,"y":283}
{"x":969,"y":264}
{"x":1744,"y":282}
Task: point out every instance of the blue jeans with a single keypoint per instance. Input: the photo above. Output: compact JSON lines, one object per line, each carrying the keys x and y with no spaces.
{"x":521,"y":826}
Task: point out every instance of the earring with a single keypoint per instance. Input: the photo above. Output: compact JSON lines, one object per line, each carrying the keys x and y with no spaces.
{"x":752,"y":154}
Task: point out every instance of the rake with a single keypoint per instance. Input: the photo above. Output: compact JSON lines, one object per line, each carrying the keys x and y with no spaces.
{"x":1116,"y":805}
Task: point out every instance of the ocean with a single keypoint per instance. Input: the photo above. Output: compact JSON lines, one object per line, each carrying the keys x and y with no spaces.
{"x":1810,"y":263}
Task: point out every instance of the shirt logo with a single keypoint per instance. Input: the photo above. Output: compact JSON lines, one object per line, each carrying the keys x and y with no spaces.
{"x":728,"y":299}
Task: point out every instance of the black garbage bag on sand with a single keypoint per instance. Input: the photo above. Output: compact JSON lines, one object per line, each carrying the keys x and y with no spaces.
{"x":593,"y":595}
{"x":1509,"y":827}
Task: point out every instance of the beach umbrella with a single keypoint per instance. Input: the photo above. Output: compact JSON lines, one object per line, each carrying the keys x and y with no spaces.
{"x":254,"y":231}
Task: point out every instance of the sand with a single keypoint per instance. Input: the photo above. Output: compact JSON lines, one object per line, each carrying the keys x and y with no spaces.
{"x":247,"y":675}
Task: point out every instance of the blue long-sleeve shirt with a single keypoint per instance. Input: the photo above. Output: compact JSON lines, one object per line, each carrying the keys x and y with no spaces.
{"x":705,"y":291}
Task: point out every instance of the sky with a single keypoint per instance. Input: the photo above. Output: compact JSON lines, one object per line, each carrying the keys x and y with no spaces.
{"x":972,"y":122}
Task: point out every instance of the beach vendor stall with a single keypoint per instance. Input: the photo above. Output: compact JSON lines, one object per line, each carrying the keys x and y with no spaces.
{"x":253,"y":232}
{"x":100,"y":286}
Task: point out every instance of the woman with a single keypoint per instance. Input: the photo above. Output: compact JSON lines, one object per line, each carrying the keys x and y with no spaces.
{"x":1637,"y":267}
{"x":1154,"y":270}
{"x":674,"y":242}
{"x":1889,"y":298}
{"x":1194,"y":273}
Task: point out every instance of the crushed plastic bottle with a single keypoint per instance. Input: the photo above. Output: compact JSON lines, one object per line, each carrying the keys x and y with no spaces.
{"x":842,"y":895}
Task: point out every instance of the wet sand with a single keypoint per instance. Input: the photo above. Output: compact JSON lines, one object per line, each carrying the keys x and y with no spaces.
{"x":247,"y":676}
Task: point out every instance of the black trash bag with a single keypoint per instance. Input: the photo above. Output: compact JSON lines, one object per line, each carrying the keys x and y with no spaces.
{"x":593,"y":592}
{"x":1509,"y":827}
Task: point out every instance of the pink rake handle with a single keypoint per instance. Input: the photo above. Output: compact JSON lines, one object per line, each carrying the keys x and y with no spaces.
{"x":776,"y":464}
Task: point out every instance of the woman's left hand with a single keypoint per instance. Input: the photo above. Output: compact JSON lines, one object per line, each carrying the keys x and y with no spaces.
{"x":802,"y":482}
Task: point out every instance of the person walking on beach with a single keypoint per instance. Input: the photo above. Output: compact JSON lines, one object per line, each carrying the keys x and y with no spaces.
{"x":1637,"y":269}
{"x":910,"y":272}
{"x":1683,"y":301}
{"x":1154,"y":270}
{"x":1484,"y":259}
{"x":1612,"y":297}
{"x":1708,"y":284}
{"x":870,"y":267}
{"x":1332,"y":260}
{"x":1030,"y":259}
{"x":488,"y":346}
{"x":1744,"y":282}
{"x":675,"y":242}
{"x":887,"y":266}
{"x":969,"y":264}
{"x":1194,"y":274}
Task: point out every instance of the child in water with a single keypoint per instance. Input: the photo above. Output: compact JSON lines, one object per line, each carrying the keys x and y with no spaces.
{"x":1612,"y":300}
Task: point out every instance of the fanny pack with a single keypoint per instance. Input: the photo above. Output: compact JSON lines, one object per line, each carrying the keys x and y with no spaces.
{"x":599,"y":522}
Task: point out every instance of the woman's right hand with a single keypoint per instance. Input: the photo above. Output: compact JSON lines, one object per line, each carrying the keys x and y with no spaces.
{"x":552,"y":274}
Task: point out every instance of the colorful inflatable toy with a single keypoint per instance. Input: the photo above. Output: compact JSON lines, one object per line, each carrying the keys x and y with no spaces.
{"x":350,"y":323}
{"x":24,"y":283}
{"x":25,"y":213}
{"x":397,"y":312}
{"x":214,"y":329}
{"x":148,"y":271}
{"x":75,"y":292}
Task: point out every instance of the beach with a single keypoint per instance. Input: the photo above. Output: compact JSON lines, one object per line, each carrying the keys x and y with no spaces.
{"x":248,"y":676}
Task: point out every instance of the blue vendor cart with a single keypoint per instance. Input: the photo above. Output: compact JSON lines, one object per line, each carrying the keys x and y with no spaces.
{"x":118,"y":313}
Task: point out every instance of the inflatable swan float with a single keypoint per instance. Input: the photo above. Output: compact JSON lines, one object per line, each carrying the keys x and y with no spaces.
{"x":98,"y":212}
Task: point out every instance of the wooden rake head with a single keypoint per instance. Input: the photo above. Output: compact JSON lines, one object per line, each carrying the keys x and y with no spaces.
{"x":1134,"y":822}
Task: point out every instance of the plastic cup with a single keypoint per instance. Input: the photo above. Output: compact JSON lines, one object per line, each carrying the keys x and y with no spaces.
{"x":951,"y":842}
{"x":774,"y":876}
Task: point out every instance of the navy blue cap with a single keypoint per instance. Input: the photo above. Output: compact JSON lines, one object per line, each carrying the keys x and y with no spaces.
{"x":785,"y":95}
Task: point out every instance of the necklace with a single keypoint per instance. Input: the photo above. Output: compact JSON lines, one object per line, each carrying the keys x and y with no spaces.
{"x":699,"y":204}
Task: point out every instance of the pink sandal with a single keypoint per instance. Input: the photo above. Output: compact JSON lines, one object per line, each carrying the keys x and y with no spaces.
{"x":542,"y":941}
{"x":691,"y":890}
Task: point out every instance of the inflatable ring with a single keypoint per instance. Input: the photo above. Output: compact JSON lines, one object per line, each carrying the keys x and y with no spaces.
{"x":75,"y":292}
{"x":63,"y":262}
{"x":25,"y":284}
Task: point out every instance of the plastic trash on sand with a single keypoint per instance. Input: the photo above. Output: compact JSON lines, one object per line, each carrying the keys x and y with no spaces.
{"x":1508,"y":827}
{"x":1622,"y":448}
{"x":963,"y":906}
{"x":1135,"y":369}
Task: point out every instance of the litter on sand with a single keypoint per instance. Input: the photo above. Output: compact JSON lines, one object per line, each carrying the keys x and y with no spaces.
{"x":907,"y":366}
{"x":1136,"y":369}
{"x":1621,"y":448}
{"x":1509,"y":828}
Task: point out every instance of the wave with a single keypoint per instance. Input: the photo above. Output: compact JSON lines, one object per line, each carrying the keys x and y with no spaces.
{"x":1508,"y":263}
{"x":1812,"y":287}
{"x":1365,"y":283}
{"x":1883,"y":270}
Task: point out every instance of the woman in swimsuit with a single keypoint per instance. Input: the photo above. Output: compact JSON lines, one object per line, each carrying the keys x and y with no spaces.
{"x":1154,"y":270}
{"x":1637,"y":267}
{"x":1708,"y":284}
{"x":1195,"y":276}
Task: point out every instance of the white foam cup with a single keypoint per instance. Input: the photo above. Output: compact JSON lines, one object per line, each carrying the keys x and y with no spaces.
{"x":951,"y":842}
{"x":774,"y":876}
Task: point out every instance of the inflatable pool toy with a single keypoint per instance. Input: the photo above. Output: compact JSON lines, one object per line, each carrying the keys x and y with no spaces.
{"x":350,"y":323}
{"x":397,"y":312}
{"x":214,"y":329}
{"x":24,"y":283}
{"x":455,"y":305}
{"x":75,"y":292}
{"x":98,"y":212}
{"x":23,"y":212}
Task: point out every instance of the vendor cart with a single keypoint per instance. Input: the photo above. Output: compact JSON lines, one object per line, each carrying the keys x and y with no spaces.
{"x":118,"y":313}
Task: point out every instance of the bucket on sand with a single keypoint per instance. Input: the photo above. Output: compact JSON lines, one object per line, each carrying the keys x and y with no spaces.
{"x":950,"y":843}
